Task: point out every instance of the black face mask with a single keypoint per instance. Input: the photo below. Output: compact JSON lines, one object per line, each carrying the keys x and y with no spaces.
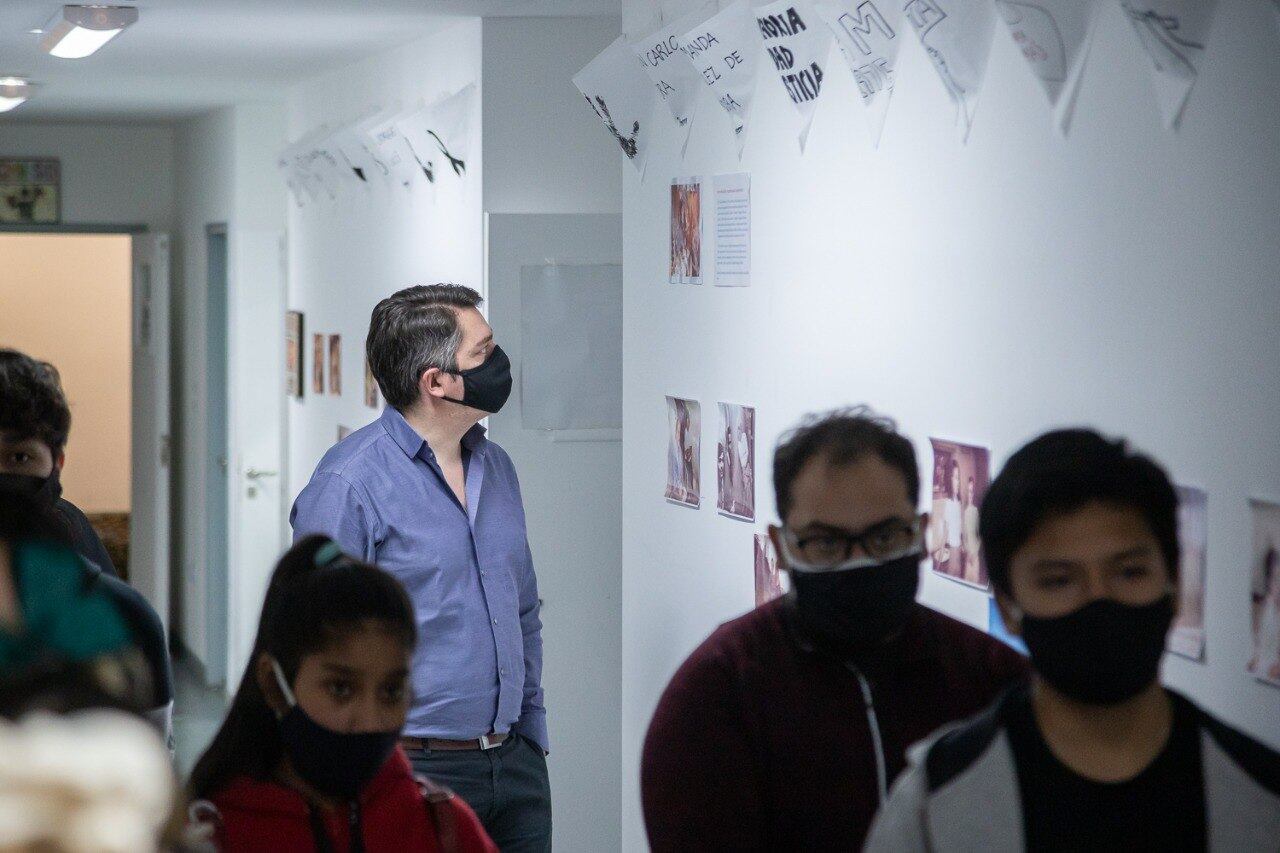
{"x":850,"y":610}
{"x":488,"y":386}
{"x":1103,"y":653}
{"x":339,"y":764}
{"x":42,"y":489}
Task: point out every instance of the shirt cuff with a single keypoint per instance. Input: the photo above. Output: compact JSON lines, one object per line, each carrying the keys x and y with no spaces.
{"x":533,"y":725}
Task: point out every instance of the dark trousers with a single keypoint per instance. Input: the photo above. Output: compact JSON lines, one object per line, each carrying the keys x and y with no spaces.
{"x":507,"y":788}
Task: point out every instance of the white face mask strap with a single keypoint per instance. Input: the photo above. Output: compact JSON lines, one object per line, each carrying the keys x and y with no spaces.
{"x":283,"y":682}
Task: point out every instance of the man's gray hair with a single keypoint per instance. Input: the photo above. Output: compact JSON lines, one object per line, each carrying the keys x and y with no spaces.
{"x":413,"y":331}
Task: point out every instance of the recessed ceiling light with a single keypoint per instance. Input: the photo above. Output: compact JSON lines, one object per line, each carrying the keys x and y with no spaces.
{"x":78,"y":31}
{"x":13,"y":92}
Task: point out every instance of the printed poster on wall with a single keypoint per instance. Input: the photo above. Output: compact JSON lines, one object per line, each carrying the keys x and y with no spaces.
{"x":961,"y":474}
{"x":725,"y":52}
{"x":956,"y":35}
{"x":1053,"y":37}
{"x":733,"y":229}
{"x":868,"y":33}
{"x":1187,"y":636}
{"x":622,"y":97}
{"x":684,"y":446}
{"x":736,"y":462}
{"x":663,"y":59}
{"x":1264,"y":660}
{"x":768,"y":576}
{"x":797,"y":44}
{"x":686,"y":231}
{"x":1173,"y":33}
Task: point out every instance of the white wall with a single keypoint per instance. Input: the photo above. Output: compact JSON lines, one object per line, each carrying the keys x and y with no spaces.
{"x":1123,"y":277}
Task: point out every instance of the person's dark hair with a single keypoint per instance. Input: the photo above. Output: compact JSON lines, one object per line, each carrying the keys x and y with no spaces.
{"x":413,"y":331}
{"x":32,"y":404}
{"x":842,"y":437}
{"x":1061,"y":472}
{"x":308,"y":608}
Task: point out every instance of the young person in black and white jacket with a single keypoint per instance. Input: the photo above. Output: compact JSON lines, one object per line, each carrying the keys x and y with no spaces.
{"x":1093,"y":753}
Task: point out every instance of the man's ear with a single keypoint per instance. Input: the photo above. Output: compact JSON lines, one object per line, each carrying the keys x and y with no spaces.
{"x":775,"y":536}
{"x":59,"y":461}
{"x":266,"y":678}
{"x":1010,"y":613}
{"x":432,"y":383}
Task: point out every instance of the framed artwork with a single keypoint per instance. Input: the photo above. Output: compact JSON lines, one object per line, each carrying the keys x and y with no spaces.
{"x":293,"y":338}
{"x":317,"y":364}
{"x":30,"y":190}
{"x":335,"y":365}
{"x":961,"y":474}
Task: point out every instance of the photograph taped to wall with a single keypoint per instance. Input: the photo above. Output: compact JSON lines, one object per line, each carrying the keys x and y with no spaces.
{"x":736,"y":462}
{"x":30,"y":190}
{"x":1187,"y":636}
{"x":732,"y":229}
{"x":370,"y":387}
{"x":768,"y":575}
{"x":1264,"y":593}
{"x":686,"y":231}
{"x":293,"y":343}
{"x":335,"y":364}
{"x":961,"y":475}
{"x":317,"y":364}
{"x":684,"y":449}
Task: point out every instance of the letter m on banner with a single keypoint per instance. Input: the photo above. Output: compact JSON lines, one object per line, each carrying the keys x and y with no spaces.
{"x":858,"y":25}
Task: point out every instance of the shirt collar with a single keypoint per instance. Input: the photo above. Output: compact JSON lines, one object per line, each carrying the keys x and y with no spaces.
{"x":408,"y":440}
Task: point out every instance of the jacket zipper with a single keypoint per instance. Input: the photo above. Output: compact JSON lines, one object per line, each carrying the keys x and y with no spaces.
{"x":873,"y":722}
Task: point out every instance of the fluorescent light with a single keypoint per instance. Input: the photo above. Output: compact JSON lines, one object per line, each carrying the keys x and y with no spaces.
{"x":79,"y":31}
{"x":13,"y":92}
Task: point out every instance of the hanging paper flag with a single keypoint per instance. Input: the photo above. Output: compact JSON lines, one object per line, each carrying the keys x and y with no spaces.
{"x":797,"y":44}
{"x":449,"y":129}
{"x":1053,"y":37}
{"x":724,"y":51}
{"x":287,"y":165}
{"x":392,"y":149}
{"x":353,"y":154}
{"x":1174,"y":33}
{"x":663,"y":60}
{"x":422,"y":147}
{"x":867,"y":32}
{"x":622,"y":98}
{"x":956,"y":34}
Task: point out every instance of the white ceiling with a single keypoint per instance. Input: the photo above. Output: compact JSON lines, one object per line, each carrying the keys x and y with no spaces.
{"x":185,"y":57}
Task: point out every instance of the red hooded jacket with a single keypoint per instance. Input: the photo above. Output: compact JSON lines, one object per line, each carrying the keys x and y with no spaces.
{"x":393,"y":815}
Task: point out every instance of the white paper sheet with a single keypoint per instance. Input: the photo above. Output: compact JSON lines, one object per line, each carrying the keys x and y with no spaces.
{"x":685,"y":254}
{"x":619,"y":92}
{"x":449,"y":126}
{"x":869,"y":34}
{"x":1053,"y":37}
{"x":392,"y":149}
{"x":1174,"y":34}
{"x":732,"y":229}
{"x":422,"y":147}
{"x":571,"y":340}
{"x":663,"y":60}
{"x":725,"y":51}
{"x":352,"y":152}
{"x":796,"y":46}
{"x":956,"y":35}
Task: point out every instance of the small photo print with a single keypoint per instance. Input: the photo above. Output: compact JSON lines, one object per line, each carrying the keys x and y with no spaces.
{"x":317,"y":364}
{"x":736,"y":462}
{"x":686,"y":231}
{"x":1264,"y":661}
{"x":961,"y":474}
{"x":768,"y":577}
{"x":335,"y":364}
{"x":1187,"y":636}
{"x":370,"y":387}
{"x":684,"y":422}
{"x":344,"y":431}
{"x":293,"y":338}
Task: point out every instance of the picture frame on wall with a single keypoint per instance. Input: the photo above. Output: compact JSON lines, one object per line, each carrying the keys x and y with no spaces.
{"x":317,"y":364}
{"x":335,"y":365}
{"x":961,"y":475}
{"x":30,"y":190}
{"x":293,"y":342}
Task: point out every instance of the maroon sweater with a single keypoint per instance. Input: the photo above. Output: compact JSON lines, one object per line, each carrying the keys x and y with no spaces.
{"x":762,"y":742}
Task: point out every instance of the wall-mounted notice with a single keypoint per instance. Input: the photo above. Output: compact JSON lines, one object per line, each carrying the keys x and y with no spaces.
{"x":1187,"y":636}
{"x":663,"y":59}
{"x":1264,"y":661}
{"x":733,"y":229}
{"x":1174,"y":33}
{"x":620,"y":94}
{"x":724,"y":51}
{"x":684,"y":446}
{"x":956,"y":34}
{"x":797,"y":45}
{"x":869,"y":35}
{"x":961,"y":474}
{"x":736,"y":462}
{"x":1053,"y":37}
{"x":768,"y":578}
{"x":686,"y":231}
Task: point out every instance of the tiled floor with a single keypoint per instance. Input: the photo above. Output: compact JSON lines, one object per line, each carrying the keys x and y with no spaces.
{"x":197,"y":714}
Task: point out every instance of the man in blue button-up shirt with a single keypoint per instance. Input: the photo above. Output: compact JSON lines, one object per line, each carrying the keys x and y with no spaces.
{"x":422,"y":493}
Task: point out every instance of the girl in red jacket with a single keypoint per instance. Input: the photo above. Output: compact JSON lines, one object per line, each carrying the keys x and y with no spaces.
{"x":307,"y":758}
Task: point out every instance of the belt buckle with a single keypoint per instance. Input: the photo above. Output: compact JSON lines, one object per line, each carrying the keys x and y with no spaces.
{"x":486,"y":744}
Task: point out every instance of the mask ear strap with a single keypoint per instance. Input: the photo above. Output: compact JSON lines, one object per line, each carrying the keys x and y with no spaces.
{"x":283,"y":682}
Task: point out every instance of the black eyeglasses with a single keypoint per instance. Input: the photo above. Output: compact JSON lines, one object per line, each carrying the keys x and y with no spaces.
{"x":830,"y":549}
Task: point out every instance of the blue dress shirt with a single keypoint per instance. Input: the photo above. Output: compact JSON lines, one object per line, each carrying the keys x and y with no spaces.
{"x":382,"y":496}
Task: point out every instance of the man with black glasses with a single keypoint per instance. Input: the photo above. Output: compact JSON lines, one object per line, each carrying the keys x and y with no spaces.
{"x":785,"y":729}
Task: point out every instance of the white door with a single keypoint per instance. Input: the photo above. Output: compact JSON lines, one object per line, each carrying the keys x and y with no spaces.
{"x":149,"y":519}
{"x":255,"y":418}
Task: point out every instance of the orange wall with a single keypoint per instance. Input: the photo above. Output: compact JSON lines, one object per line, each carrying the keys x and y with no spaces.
{"x":65,"y":299}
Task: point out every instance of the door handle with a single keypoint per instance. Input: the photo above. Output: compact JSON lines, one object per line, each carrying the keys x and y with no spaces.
{"x":255,"y":474}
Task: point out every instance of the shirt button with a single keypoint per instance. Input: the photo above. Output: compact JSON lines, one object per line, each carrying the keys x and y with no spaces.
{"x":495,"y":621}
{"x":502,"y":672}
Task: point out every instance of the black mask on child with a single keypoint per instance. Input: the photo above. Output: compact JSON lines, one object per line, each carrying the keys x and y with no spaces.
{"x":852,"y":609}
{"x":487,"y":386}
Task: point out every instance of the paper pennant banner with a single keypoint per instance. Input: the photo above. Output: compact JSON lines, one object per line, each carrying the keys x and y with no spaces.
{"x":725,"y":52}
{"x":413,"y":127}
{"x":1053,"y":37}
{"x":391,"y":147}
{"x":796,"y":44}
{"x":621,"y":95}
{"x":664,"y":62}
{"x":868,"y":33}
{"x":956,"y":34}
{"x":352,"y":153}
{"x":1174,"y":33}
{"x":449,"y":128}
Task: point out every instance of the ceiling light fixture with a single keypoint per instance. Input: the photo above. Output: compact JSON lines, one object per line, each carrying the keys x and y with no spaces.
{"x":13,"y":92}
{"x":79,"y":31}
